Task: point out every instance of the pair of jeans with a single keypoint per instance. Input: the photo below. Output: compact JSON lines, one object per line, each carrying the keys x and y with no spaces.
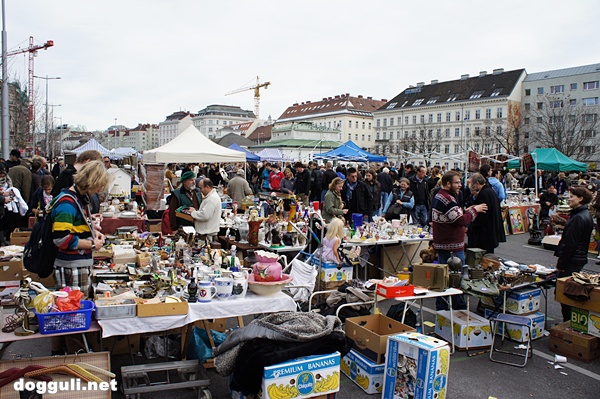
{"x":384,"y":198}
{"x":458,"y":301}
{"x":419,"y":215}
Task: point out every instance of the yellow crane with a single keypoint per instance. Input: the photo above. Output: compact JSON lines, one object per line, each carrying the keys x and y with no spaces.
{"x":256,"y":89}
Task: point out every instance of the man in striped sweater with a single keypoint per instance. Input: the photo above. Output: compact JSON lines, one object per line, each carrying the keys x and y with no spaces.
{"x":450,"y":222}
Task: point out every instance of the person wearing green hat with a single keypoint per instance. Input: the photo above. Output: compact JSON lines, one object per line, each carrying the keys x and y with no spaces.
{"x":186,"y":195}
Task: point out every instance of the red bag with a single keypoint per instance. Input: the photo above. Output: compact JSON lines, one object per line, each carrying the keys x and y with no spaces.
{"x":71,"y":302}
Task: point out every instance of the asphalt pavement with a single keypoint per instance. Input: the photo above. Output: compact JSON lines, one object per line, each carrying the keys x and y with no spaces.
{"x":471,"y":375}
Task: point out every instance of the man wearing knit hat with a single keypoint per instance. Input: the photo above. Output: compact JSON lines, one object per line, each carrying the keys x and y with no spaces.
{"x":186,"y":195}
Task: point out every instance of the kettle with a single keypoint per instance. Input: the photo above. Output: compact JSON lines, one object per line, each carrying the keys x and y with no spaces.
{"x":454,"y":263}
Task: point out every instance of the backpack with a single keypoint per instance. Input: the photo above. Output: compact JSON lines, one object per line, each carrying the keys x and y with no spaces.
{"x":40,"y":251}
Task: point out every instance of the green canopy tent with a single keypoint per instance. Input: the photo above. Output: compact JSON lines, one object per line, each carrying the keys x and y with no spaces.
{"x":553,"y":160}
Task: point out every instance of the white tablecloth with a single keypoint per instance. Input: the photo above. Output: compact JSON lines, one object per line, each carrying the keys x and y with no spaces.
{"x":251,"y":304}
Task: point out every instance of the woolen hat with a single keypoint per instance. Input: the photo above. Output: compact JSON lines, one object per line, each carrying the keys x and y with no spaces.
{"x":241,"y":172}
{"x":188,"y":175}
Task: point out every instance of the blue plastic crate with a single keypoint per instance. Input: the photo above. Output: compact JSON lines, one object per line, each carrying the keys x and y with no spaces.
{"x":63,"y":322}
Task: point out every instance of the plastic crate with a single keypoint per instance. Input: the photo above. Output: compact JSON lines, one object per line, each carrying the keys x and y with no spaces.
{"x":63,"y":322}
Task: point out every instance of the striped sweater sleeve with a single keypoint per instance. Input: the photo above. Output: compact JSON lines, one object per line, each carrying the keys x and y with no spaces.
{"x":68,"y":224}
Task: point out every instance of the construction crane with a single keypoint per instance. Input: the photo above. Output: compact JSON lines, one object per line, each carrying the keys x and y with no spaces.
{"x":32,"y":50}
{"x":256,"y":89}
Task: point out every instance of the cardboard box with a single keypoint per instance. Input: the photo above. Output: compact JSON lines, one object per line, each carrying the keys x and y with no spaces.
{"x":585,"y":321}
{"x":365,"y":373}
{"x":239,"y":395}
{"x":519,"y":333}
{"x":161,"y":309}
{"x":369,"y":334}
{"x":524,"y":301}
{"x":19,"y":237}
{"x":574,"y":344}
{"x":395,"y":258}
{"x":155,"y":225}
{"x":48,"y":282}
{"x":331,"y":272}
{"x":11,"y":272}
{"x":416,"y":367}
{"x":474,"y":256}
{"x":431,"y":275}
{"x":592,"y":304}
{"x":184,"y":216}
{"x":314,"y":377}
{"x":391,"y":291}
{"x":478,"y":334}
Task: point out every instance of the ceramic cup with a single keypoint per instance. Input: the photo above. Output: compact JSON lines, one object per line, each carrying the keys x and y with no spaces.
{"x":206,"y":291}
{"x":224,"y":287}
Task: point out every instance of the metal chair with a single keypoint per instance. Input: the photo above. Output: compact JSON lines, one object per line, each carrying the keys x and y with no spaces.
{"x":505,"y":319}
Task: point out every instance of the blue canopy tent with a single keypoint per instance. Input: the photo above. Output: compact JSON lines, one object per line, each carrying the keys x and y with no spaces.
{"x":349,"y":151}
{"x":553,"y":160}
{"x":250,"y":156}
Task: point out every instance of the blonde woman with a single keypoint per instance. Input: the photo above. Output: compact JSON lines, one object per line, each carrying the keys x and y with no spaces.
{"x":333,"y":205}
{"x":71,"y":227}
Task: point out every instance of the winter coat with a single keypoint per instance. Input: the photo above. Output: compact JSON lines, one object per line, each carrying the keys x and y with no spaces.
{"x":331,"y":206}
{"x":375,"y":190}
{"x":360,"y":202}
{"x":487,"y":230}
{"x":573,"y":247}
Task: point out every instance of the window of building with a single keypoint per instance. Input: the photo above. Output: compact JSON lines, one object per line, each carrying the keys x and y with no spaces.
{"x":406,"y":134}
{"x":589,"y":133}
{"x":377,"y":137}
{"x":587,"y":118}
{"x":477,"y":114}
{"x":457,"y":132}
{"x":385,"y":135}
{"x":589,"y":149}
{"x":439,"y":117}
{"x":418,"y":101}
{"x":527,"y":106}
{"x":447,"y":116}
{"x":210,"y":129}
{"x":446,"y":148}
{"x":487,"y":148}
{"x":540,"y":91}
{"x":378,"y":123}
{"x":457,"y":115}
{"x":349,"y":136}
{"x":356,"y":137}
{"x":391,"y":105}
{"x":477,"y":131}
{"x":447,"y":132}
{"x":499,"y":130}
{"x":433,"y":100}
{"x":476,"y":94}
{"x":369,"y":137}
{"x":555,"y":120}
{"x":527,"y":92}
{"x":406,"y":120}
{"x":362,"y":137}
{"x":456,"y":148}
{"x":422,"y":118}
{"x":590,"y":101}
{"x":369,"y":126}
{"x":384,"y":122}
{"x":488,"y":130}
{"x":398,"y":135}
{"x":488,"y":113}
{"x":430,"y":118}
{"x":557,"y":89}
{"x":557,"y":104}
{"x":468,"y":131}
{"x":538,"y":119}
{"x":573,"y":86}
{"x":399,"y":120}
{"x":467,"y":115}
{"x":499,"y":112}
{"x":496,"y":92}
{"x":452,"y":97}
{"x":477,"y":147}
{"x":573,"y":102}
{"x":356,"y":124}
{"x":540,"y":105}
{"x":430,"y":134}
{"x":414,"y":119}
{"x":590,"y":85}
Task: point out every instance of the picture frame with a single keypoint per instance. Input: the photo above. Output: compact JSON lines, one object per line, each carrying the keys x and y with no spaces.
{"x":517,"y":223}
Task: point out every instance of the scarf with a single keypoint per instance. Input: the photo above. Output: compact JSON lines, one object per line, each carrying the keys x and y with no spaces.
{"x":350,"y":191}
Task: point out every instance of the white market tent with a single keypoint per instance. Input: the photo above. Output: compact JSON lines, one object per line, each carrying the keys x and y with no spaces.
{"x":272,"y":155}
{"x":92,"y":144}
{"x":122,"y":152}
{"x":192,"y":146}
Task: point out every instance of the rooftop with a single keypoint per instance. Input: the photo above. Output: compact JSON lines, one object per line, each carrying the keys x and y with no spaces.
{"x":332,"y":105}
{"x":561,"y":73}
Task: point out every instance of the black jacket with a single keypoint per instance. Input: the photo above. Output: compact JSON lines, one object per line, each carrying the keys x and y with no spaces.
{"x":64,"y":180}
{"x":573,"y":246}
{"x":360,"y":202}
{"x":386,"y":182}
{"x":487,"y":230}
{"x":302,"y":184}
{"x":421,"y":191}
{"x":328,"y":177}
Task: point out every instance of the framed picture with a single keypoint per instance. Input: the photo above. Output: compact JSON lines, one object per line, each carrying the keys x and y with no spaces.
{"x":505,"y":220}
{"x":516,"y":221}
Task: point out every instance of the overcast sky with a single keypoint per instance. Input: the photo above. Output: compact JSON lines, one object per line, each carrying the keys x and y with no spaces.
{"x":140,"y":60}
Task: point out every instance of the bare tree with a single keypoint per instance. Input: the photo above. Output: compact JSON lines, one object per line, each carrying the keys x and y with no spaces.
{"x":426,"y":138}
{"x":18,"y":114}
{"x":558,"y":122}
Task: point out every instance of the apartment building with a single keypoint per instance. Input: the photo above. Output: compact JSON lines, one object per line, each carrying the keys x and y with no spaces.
{"x":560,"y":110}
{"x":173,"y":125}
{"x":352,"y":116}
{"x":215,"y":117}
{"x":436,"y":123}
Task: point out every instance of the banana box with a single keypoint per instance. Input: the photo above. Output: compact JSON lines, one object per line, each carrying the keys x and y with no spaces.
{"x":470,"y":330}
{"x":305,"y":377}
{"x":335,"y":272}
{"x":416,"y":367}
{"x":365,"y":373}
{"x":524,"y":301}
{"x":519,"y":333}
{"x":585,"y":321}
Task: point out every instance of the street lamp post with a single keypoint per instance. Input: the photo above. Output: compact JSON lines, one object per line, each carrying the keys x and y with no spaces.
{"x":46,"y":78}
{"x":53,"y":132}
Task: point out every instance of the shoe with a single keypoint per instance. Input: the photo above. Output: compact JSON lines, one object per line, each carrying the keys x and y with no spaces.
{"x":598,"y":262}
